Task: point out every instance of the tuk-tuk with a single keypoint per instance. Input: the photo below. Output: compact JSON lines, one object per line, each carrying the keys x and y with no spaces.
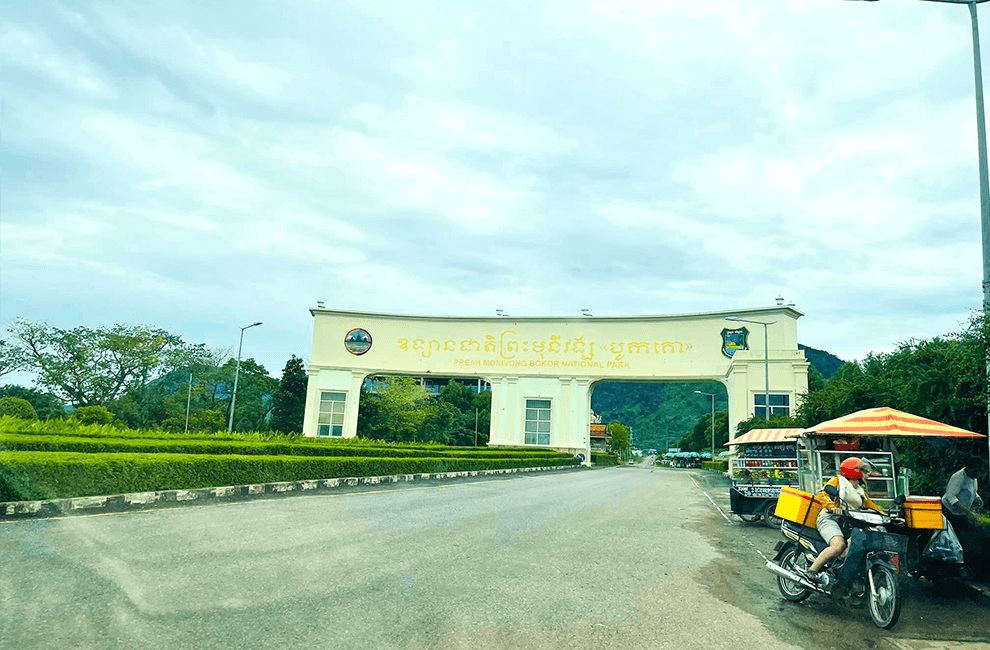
{"x":764,"y":461}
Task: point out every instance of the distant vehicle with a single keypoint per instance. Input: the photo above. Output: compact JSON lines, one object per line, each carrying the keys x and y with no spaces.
{"x":632,"y":462}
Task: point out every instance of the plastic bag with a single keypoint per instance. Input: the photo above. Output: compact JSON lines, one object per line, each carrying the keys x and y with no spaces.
{"x":944,"y":546}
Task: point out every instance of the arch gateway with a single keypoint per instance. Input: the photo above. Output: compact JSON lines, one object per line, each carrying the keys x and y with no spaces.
{"x":542,"y":370}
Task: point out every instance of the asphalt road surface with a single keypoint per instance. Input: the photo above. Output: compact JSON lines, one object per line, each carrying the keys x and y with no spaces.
{"x":625,"y":557}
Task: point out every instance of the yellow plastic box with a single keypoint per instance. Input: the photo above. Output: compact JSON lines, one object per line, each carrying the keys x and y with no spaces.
{"x":797,"y":506}
{"x":924,"y":512}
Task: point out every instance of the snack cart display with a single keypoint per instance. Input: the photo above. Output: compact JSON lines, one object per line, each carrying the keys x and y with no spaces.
{"x":765,"y":460}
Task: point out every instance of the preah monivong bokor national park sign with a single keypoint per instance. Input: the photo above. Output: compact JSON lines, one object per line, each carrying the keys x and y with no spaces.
{"x":542,"y":370}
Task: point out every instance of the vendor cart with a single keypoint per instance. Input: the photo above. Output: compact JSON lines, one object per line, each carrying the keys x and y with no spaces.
{"x":870,"y":435}
{"x":764,"y":461}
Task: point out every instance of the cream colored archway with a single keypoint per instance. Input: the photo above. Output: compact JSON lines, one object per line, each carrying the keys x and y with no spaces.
{"x":549,"y":363}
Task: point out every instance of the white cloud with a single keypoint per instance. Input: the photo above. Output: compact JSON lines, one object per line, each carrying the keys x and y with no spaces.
{"x":407,"y":156}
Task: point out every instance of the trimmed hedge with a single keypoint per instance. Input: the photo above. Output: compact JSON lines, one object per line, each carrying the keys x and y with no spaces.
{"x":604,"y":459}
{"x":26,"y":476}
{"x":57,"y":443}
{"x":717,"y":465}
{"x":10,"y":425}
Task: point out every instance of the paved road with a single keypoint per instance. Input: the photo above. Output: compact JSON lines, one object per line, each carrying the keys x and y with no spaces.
{"x":624,"y":557}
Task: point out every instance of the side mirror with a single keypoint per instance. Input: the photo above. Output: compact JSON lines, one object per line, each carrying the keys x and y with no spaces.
{"x":832,"y":491}
{"x":900,"y":499}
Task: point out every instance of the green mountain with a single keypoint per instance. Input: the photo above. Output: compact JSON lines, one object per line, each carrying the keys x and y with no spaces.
{"x":659,"y":413}
{"x":823,"y":361}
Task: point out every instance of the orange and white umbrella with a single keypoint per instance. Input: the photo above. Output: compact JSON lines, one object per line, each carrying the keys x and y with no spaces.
{"x":884,"y":422}
{"x":767,"y":435}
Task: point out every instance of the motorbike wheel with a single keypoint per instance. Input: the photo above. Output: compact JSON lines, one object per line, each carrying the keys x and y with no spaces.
{"x":883,"y":596}
{"x":769,"y":518}
{"x":789,"y":589}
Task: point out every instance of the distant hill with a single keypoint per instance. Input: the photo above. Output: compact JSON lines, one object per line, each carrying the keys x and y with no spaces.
{"x":825,"y":362}
{"x":660,"y":413}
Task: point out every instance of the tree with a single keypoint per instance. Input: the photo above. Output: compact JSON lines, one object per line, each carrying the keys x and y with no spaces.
{"x":46,"y":405}
{"x":458,"y":395}
{"x":11,"y":358}
{"x":440,"y":423}
{"x":255,"y":390}
{"x":92,"y":367}
{"x":93,"y":415}
{"x":776,"y":422}
{"x":289,"y":401}
{"x":18,"y":408}
{"x":206,"y":421}
{"x":620,"y":438}
{"x":402,"y":408}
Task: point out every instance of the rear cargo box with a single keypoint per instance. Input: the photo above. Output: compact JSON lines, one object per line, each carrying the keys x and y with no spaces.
{"x":924,"y":512}
{"x":797,"y":506}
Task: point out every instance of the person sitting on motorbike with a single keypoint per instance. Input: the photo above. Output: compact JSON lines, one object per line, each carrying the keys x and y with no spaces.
{"x":849,"y":483}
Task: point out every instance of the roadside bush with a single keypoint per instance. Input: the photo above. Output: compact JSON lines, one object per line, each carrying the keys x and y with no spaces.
{"x":598,"y":458}
{"x":206,"y":421}
{"x":37,"y":475}
{"x":716,"y":465}
{"x":58,"y":443}
{"x":93,"y":415}
{"x":18,"y":408}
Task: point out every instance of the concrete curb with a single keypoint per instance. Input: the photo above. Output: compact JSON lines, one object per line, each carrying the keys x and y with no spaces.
{"x":12,"y":510}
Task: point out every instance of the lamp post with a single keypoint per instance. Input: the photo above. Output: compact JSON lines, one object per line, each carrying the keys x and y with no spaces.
{"x":766,"y":357}
{"x":981,"y":140}
{"x":712,"y":395}
{"x":237,"y":371}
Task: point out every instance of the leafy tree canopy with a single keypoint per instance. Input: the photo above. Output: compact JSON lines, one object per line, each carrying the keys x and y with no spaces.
{"x":91,"y":367}
{"x":289,"y":401}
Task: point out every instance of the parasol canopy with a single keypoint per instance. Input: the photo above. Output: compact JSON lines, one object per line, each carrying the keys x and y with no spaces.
{"x":886,"y":422}
{"x":767,"y":435}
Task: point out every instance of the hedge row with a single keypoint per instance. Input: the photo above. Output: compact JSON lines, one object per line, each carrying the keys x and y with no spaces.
{"x":56,"y":443}
{"x":716,"y":465}
{"x":12,"y":425}
{"x":604,"y":459}
{"x":26,"y":476}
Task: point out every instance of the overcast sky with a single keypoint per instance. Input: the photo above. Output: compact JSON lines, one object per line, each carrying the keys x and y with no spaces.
{"x":198,"y":166}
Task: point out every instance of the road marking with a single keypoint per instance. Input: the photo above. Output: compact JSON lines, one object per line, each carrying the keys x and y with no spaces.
{"x":710,"y":499}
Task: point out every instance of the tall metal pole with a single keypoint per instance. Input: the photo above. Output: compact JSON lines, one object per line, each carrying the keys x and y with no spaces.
{"x":188,"y":401}
{"x":981,"y":136}
{"x":766,"y":367}
{"x":237,"y":371}
{"x":713,"y":428}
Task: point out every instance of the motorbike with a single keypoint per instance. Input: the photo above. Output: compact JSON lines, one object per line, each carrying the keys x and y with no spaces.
{"x":870,"y":567}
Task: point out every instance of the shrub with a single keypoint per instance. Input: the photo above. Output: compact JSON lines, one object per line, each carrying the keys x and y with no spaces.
{"x":93,"y":415}
{"x":716,"y":465}
{"x":604,"y":459}
{"x":82,"y":444}
{"x":38,"y":475}
{"x":18,"y":408}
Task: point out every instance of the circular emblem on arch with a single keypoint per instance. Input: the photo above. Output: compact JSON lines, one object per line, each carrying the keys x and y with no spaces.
{"x":357,"y":341}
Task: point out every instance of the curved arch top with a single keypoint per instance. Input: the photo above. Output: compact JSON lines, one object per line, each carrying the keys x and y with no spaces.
{"x":552,"y":359}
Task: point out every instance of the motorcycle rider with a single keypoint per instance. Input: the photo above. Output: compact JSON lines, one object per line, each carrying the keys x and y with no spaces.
{"x":849,"y":483}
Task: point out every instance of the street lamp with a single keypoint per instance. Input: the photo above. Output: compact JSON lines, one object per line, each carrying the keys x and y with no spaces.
{"x":237,"y":371}
{"x":766,"y":357}
{"x":981,"y":138}
{"x":712,"y":395}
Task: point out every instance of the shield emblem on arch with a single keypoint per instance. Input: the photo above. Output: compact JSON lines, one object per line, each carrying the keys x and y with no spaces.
{"x":734,"y":340}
